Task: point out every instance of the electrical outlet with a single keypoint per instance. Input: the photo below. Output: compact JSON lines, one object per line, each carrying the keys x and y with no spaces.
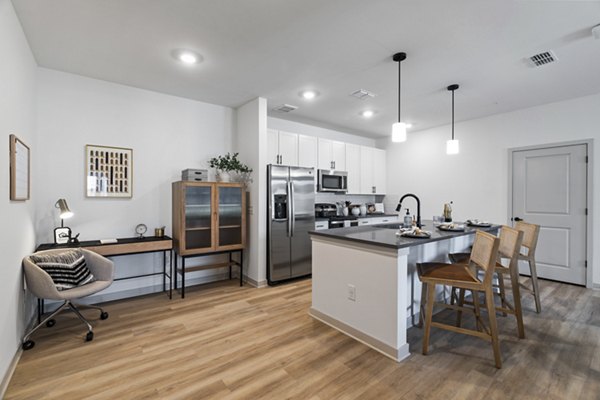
{"x":351,"y":292}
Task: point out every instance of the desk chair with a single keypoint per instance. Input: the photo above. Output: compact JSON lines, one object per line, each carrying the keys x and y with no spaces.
{"x":41,"y":285}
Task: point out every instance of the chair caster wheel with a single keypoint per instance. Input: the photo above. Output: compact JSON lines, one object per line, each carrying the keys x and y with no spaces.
{"x":28,"y":345}
{"x":50,"y":323}
{"x":89,"y":337}
{"x":104,"y":315}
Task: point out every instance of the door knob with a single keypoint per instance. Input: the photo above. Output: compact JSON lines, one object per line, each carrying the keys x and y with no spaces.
{"x":517,"y":219}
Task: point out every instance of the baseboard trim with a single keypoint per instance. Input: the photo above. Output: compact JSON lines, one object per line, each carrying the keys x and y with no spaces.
{"x":9,"y":373}
{"x":254,"y":283}
{"x":385,"y":349}
{"x":596,"y":286}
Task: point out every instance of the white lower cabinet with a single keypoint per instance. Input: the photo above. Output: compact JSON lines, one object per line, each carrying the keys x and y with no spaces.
{"x":320,"y":225}
{"x":378,"y":220}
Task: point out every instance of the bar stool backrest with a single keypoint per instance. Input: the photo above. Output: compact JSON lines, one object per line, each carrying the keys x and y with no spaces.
{"x":530,"y":236}
{"x":485,"y":253}
{"x":510,"y":242}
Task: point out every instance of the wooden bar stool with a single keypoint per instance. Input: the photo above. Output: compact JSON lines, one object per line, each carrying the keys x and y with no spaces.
{"x":509,"y":249}
{"x":530,"y":239}
{"x":462,"y":276}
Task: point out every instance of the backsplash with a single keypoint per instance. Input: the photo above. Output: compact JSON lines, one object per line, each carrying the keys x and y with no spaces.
{"x":321,"y":197}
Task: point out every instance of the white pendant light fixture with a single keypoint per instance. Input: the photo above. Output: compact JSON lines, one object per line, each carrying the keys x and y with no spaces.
{"x":452,"y":145}
{"x":399,"y":128}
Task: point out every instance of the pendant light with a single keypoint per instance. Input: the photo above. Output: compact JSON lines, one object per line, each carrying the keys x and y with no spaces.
{"x":399,"y":128}
{"x":452,"y":145}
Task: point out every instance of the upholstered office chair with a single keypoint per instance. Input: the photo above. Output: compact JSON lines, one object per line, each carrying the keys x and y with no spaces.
{"x":42,"y":285}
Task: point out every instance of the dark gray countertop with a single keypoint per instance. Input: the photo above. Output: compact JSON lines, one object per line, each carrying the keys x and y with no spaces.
{"x":380,"y":236}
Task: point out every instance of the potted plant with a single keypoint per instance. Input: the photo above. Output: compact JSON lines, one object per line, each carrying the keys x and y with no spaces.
{"x":229,"y":167}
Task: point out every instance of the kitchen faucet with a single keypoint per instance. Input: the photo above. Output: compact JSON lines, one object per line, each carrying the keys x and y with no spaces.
{"x":399,"y":207}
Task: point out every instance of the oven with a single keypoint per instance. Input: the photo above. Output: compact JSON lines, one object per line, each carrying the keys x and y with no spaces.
{"x":332,"y":181}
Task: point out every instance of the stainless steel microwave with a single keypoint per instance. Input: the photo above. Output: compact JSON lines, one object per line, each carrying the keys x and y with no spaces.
{"x":332,"y":181}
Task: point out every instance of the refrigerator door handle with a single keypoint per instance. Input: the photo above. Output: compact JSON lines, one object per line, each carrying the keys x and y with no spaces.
{"x":292,"y":216}
{"x":290,"y":209}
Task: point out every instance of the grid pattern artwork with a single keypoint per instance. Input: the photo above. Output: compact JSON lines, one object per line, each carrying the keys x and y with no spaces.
{"x":109,"y":171}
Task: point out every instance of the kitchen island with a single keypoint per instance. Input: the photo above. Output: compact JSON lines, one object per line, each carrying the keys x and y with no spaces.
{"x":364,"y":280}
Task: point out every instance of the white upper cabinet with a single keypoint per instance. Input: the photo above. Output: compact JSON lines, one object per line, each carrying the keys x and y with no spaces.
{"x":379,"y":171}
{"x":353,"y":168}
{"x":366,"y":170}
{"x":272,"y":146}
{"x":372,"y":170}
{"x":288,"y":148}
{"x":307,"y":151}
{"x":332,"y":155}
{"x":282,"y":148}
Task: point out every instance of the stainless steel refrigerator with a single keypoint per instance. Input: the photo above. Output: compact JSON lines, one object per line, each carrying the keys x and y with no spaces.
{"x":291,"y":198}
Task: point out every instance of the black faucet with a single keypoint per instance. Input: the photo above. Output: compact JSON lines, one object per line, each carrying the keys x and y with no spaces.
{"x":399,"y":207}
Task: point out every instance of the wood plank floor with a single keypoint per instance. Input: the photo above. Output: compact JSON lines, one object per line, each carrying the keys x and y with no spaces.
{"x":223,"y":341}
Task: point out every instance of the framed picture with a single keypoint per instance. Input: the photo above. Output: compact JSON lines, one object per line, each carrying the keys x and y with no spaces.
{"x":62,"y":235}
{"x":108,"y":171}
{"x":19,"y":169}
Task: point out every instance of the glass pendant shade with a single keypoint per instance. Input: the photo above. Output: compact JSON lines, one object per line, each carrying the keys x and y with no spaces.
{"x":452,"y":146}
{"x":399,"y":132}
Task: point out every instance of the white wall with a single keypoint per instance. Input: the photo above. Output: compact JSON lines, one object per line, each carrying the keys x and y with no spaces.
{"x":312,"y":130}
{"x":167,"y":134}
{"x":477,"y":179}
{"x":251,"y":142}
{"x":17,"y":239}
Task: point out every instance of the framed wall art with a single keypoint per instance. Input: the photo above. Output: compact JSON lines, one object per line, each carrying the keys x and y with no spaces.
{"x":108,"y":171}
{"x":19,"y":169}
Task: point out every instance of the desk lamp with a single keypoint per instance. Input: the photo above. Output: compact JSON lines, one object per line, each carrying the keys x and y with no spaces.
{"x":62,"y":234}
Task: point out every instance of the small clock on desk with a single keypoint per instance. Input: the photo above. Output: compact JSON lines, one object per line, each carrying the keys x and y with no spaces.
{"x":140,"y":229}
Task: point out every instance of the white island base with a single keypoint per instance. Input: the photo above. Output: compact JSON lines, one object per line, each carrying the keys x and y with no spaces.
{"x":371,"y":292}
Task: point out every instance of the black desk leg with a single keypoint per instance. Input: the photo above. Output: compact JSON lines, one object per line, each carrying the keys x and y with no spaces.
{"x":175,"y":269}
{"x":229,"y":265}
{"x":170,"y":274}
{"x":183,"y":277}
{"x":241,"y":267}
{"x":164,"y":270}
{"x":40,"y":310}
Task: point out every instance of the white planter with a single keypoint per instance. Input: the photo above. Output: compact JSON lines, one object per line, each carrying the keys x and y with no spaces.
{"x":223,"y":176}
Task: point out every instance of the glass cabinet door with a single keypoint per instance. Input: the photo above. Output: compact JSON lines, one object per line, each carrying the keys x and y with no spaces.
{"x":230,"y":216}
{"x":198,"y":217}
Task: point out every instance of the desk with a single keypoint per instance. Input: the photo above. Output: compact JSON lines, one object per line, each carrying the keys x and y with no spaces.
{"x":124,"y":247}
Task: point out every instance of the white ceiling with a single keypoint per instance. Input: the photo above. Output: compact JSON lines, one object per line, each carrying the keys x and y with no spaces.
{"x":276,"y":48}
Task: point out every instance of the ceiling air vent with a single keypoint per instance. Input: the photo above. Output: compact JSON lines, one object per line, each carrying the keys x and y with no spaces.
{"x":544,"y":58}
{"x":362,"y":94}
{"x":285,"y":108}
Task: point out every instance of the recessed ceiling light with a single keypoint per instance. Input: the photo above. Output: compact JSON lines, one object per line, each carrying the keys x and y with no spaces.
{"x":187,"y":57}
{"x":309,"y":94}
{"x":367,"y":113}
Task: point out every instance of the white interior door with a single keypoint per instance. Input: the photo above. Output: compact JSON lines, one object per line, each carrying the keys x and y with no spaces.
{"x":549,"y":188}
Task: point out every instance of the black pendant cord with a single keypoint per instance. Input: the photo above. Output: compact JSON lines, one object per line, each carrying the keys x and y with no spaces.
{"x":399,"y":88}
{"x":452,"y":88}
{"x":453,"y":115}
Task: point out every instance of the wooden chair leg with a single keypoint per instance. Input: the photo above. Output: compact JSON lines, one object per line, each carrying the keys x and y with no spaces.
{"x":476,"y":304}
{"x":422,"y":305}
{"x":516,"y":290}
{"x":502,"y":290}
{"x":491,"y":310}
{"x":534,"y":282}
{"x":461,"y":302}
{"x":428,"y":317}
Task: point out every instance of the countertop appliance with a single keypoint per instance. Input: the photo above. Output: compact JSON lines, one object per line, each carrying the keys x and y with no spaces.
{"x":332,"y":181}
{"x":325,"y":210}
{"x":291,"y":200}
